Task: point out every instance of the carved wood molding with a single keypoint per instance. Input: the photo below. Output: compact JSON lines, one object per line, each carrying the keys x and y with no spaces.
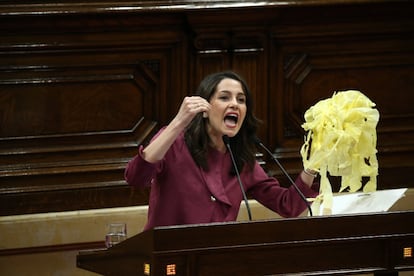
{"x":229,"y":42}
{"x":302,"y":89}
{"x":76,"y":102}
{"x":36,"y":7}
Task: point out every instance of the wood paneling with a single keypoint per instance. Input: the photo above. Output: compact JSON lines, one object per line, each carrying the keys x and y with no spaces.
{"x":83,"y":84}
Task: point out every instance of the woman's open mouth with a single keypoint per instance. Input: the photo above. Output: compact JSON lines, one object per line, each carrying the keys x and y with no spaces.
{"x":230,"y":120}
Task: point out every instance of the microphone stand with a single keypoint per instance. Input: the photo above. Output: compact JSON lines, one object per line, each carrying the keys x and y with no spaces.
{"x":226,"y":141}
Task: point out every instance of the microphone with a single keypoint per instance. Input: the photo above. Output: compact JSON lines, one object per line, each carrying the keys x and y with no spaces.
{"x":258,"y":142}
{"x":226,"y":141}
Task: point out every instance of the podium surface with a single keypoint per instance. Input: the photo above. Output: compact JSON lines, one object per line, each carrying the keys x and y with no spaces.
{"x":340,"y":244}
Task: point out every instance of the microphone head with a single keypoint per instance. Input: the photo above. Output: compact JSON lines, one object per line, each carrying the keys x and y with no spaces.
{"x":257,"y":140}
{"x":226,"y":139}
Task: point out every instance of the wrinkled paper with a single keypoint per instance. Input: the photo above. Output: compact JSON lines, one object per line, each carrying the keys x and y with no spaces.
{"x":341,"y":140}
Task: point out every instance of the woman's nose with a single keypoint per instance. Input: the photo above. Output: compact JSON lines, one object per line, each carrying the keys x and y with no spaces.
{"x":234,"y":103}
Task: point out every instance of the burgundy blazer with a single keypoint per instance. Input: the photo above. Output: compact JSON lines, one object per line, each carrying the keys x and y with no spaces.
{"x":183,"y":193}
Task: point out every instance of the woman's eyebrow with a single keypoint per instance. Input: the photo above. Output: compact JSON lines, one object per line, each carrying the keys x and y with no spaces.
{"x":229,"y":92}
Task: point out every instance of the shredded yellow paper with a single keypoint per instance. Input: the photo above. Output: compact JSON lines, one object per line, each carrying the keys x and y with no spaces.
{"x":341,"y":140}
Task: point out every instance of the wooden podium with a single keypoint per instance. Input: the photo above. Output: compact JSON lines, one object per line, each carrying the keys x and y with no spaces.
{"x":366,"y":243}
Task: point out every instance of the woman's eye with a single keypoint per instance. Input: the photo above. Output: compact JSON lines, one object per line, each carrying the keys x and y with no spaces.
{"x":241,"y":100}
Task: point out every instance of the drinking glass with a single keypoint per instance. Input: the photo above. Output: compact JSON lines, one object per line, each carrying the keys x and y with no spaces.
{"x":117,"y":232}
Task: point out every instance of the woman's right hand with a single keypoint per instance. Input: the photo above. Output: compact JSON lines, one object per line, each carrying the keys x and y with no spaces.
{"x":189,"y":108}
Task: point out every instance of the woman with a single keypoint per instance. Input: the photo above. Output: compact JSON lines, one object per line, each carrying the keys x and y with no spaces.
{"x":190,"y":171}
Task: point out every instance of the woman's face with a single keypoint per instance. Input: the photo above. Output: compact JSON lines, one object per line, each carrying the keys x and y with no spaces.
{"x":228,"y":109}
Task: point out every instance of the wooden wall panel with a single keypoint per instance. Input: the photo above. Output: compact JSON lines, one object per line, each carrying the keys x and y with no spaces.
{"x":75,"y":104}
{"x":83,"y":84}
{"x":242,"y":49}
{"x":377,"y":60}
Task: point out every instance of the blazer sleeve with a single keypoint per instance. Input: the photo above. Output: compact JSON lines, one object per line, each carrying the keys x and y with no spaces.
{"x":139,"y":172}
{"x":284,"y":201}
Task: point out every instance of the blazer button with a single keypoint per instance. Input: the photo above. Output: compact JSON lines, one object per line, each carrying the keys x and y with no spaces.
{"x":212,"y":198}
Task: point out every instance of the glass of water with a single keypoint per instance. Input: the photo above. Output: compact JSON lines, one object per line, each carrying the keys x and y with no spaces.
{"x":117,"y":232}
